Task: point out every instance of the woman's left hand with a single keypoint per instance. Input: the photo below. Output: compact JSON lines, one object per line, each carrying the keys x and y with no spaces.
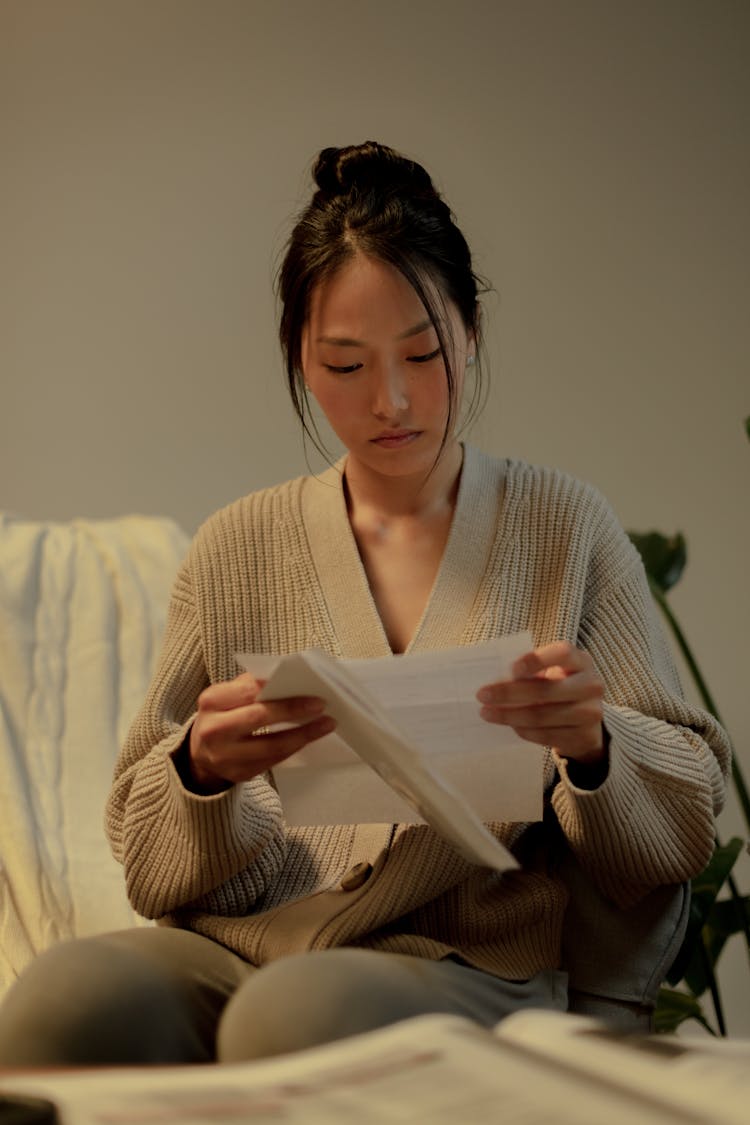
{"x":555,"y":699}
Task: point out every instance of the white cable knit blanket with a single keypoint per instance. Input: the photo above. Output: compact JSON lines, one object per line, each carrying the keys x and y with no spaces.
{"x":82,"y":609}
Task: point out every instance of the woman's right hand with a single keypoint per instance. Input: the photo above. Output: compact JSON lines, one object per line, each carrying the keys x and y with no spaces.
{"x":224,"y":746}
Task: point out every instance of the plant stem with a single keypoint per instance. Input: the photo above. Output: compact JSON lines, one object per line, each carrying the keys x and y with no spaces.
{"x":714,"y":988}
{"x":708,"y":701}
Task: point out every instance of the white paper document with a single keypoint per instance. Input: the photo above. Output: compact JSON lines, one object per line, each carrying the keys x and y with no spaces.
{"x":410,"y":745}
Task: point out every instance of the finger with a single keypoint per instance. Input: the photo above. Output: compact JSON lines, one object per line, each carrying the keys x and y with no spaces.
{"x":246,"y":758}
{"x":296,"y":709}
{"x":582,"y":714}
{"x":227,"y":694}
{"x":238,"y":698}
{"x":558,"y":654}
{"x":279,"y":745}
{"x":542,"y":691}
{"x":239,"y":724}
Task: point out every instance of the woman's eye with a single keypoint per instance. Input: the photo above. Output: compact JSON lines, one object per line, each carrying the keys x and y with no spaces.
{"x":342,"y":370}
{"x":424,"y":358}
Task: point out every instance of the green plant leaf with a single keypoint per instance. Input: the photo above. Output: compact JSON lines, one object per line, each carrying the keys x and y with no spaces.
{"x":728,"y":917}
{"x":673,"y":1008}
{"x":716,"y":872}
{"x":664,"y":557}
{"x":704,"y":891}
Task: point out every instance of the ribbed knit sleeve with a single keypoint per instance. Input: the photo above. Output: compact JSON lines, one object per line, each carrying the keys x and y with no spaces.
{"x":652,"y":819}
{"x":176,"y":846}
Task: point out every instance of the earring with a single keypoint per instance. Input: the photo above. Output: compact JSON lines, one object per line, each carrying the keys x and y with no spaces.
{"x":469,"y":360}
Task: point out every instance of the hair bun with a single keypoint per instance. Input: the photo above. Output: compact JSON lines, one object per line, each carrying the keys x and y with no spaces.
{"x":341,"y":171}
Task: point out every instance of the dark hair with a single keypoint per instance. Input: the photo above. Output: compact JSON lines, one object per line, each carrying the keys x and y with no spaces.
{"x":372,"y":200}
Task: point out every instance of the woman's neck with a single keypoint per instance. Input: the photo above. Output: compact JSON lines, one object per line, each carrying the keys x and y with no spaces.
{"x":422,"y":497}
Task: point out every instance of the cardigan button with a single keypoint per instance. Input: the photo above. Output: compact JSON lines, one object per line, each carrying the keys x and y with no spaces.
{"x":356,"y":876}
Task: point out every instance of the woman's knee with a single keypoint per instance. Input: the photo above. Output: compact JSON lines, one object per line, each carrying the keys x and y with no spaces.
{"x":311,"y":998}
{"x":102,"y":1000}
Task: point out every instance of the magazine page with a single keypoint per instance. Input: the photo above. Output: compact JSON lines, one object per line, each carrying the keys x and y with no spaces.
{"x":692,"y":1076}
{"x":437,"y":1069}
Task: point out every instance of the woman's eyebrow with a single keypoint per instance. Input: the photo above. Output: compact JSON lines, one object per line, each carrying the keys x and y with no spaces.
{"x":423,"y":324}
{"x":344,"y":341}
{"x":348,"y":342}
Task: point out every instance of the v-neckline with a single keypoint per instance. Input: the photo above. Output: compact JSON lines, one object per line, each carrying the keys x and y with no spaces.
{"x":343,"y":580}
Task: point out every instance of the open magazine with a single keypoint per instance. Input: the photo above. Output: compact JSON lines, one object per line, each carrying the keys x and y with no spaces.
{"x":409,"y":744}
{"x":534,"y":1068}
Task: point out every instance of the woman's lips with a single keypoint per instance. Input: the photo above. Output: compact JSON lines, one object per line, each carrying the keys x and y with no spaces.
{"x":394,"y":439}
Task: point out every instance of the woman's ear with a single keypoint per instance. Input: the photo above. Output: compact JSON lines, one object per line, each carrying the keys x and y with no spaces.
{"x":471,"y":346}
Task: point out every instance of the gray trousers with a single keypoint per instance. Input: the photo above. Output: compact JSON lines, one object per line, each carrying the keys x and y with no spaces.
{"x":158,"y":995}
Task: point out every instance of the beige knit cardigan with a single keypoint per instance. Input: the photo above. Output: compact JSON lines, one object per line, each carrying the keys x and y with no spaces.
{"x":278,"y":571}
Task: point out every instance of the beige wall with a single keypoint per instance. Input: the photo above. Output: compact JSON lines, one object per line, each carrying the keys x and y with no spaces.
{"x":595,"y":152}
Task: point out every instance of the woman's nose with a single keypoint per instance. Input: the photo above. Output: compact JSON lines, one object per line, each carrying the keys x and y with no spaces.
{"x":390,"y":393}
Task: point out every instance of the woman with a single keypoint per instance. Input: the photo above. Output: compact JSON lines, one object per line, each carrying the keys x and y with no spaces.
{"x":276,"y":938}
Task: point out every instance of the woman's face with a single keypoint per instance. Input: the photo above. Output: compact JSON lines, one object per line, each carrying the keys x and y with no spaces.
{"x":371,"y":360}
